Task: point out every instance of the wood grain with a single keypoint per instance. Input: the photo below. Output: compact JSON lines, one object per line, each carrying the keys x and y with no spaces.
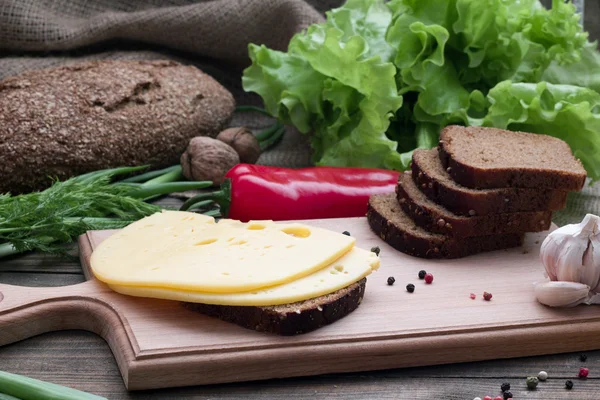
{"x":84,"y":361}
{"x":160,"y":344}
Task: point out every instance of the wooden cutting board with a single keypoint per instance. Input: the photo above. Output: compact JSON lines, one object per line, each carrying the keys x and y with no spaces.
{"x":160,"y":344}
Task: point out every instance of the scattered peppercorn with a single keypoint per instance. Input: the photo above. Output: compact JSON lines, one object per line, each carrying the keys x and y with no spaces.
{"x":532,"y":382}
{"x":422,"y":274}
{"x":391,"y":280}
{"x":472,"y":296}
{"x":569,"y":385}
{"x":346,"y":233}
{"x":410,"y":288}
{"x":376,"y":250}
{"x":505,"y":386}
{"x":477,"y":398}
{"x":583,"y":358}
{"x":583,"y":372}
{"x":487,"y":398}
{"x":507,"y":395}
{"x":487,"y":296}
{"x":428,"y":278}
{"x":498,"y":398}
{"x":542,"y":375}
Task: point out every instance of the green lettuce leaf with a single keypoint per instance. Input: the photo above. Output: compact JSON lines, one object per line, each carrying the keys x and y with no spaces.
{"x":570,"y":113}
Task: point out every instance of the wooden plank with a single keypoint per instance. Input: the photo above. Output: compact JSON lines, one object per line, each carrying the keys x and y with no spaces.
{"x":43,"y":263}
{"x":40,"y":279}
{"x":83,"y":360}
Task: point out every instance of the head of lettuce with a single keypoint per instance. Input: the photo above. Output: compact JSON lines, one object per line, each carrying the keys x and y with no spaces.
{"x":379,"y":79}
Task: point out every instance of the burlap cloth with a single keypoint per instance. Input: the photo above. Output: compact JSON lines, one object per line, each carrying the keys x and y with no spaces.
{"x":212,"y":35}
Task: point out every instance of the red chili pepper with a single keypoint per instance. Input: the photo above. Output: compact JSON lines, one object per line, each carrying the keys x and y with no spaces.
{"x":256,"y":192}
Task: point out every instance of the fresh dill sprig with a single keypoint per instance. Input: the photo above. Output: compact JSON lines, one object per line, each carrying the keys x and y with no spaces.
{"x":46,"y":220}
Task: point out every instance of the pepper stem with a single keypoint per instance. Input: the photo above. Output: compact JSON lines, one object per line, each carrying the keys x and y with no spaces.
{"x":221,"y":197}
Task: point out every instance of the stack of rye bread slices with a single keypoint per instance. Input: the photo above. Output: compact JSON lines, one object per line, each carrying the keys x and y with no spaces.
{"x":480,"y":190}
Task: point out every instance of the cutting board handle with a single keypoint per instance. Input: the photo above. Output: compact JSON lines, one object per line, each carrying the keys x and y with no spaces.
{"x":30,"y":311}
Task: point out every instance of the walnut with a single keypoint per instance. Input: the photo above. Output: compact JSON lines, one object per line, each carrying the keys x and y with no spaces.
{"x":207,"y":159}
{"x":243,"y":141}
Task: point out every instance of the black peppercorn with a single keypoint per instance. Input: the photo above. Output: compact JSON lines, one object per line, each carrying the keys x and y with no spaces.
{"x":507,"y":395}
{"x":376,"y":250}
{"x":569,"y":385}
{"x":391,"y":280}
{"x":422,"y":274}
{"x":410,"y":288}
{"x":505,"y":386}
{"x":346,"y":233}
{"x":583,"y":358}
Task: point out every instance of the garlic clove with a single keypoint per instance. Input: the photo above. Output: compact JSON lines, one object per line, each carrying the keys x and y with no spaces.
{"x":569,"y":260}
{"x":561,"y":294}
{"x":547,"y":251}
{"x":591,"y":264}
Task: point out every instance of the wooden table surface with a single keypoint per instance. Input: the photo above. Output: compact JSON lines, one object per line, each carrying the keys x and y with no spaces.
{"x":84,"y":361}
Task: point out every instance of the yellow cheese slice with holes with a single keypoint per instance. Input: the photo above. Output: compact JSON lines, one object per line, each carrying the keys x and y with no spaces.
{"x":350,"y":268}
{"x":189,"y":251}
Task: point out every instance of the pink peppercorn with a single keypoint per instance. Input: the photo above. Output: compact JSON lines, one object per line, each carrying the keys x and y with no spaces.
{"x":472,"y":296}
{"x":487,"y":296}
{"x":498,"y":398}
{"x":428,"y":278}
{"x":583,"y":372}
{"x":487,"y":398}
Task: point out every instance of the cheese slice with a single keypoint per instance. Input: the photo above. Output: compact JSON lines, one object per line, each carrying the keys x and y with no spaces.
{"x":348,"y":269}
{"x":189,"y":251}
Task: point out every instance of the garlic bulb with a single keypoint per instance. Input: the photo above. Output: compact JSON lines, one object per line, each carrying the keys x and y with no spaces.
{"x":571,"y":254}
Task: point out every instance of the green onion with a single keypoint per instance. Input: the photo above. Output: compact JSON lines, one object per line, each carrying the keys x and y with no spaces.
{"x":147,"y":192}
{"x":172,"y":174}
{"x":149,"y":175}
{"x":25,"y":388}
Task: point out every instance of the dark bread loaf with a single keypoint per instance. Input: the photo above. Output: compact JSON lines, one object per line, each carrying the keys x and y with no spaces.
{"x":436,"y":218}
{"x":69,"y":120}
{"x":290,"y":319}
{"x":433,"y":180}
{"x":397,"y":229}
{"x":494,"y":158}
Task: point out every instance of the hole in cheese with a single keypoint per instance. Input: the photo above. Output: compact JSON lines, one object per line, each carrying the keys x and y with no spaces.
{"x":238,"y":243}
{"x":205,"y":242}
{"x":289,"y":246}
{"x":256,"y":227}
{"x":339,"y":268}
{"x":225,"y":273}
{"x":297,"y":231}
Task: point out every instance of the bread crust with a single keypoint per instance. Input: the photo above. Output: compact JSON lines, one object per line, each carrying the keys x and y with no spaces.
{"x":290,"y":319}
{"x":461,"y":166}
{"x":435,"y":218}
{"x":437,"y":184}
{"x":383,"y":217}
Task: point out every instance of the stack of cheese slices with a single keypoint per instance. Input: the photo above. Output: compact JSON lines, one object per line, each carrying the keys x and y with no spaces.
{"x":281,"y":278}
{"x":481,"y":189}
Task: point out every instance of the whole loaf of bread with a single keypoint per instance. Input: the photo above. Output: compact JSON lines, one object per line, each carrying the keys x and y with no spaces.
{"x":65,"y":121}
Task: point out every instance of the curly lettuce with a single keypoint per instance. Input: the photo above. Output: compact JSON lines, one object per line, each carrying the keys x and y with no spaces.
{"x":378,"y":79}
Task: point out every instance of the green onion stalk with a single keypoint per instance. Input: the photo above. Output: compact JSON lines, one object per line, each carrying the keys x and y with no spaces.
{"x":18,"y":387}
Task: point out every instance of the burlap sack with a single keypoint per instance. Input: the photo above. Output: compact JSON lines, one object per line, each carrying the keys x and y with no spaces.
{"x":212,"y":35}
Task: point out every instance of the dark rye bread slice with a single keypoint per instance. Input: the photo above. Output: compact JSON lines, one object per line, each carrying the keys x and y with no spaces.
{"x":432,"y":179}
{"x":436,"y":218}
{"x":397,"y":229}
{"x":293,"y":318}
{"x":495,"y":158}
